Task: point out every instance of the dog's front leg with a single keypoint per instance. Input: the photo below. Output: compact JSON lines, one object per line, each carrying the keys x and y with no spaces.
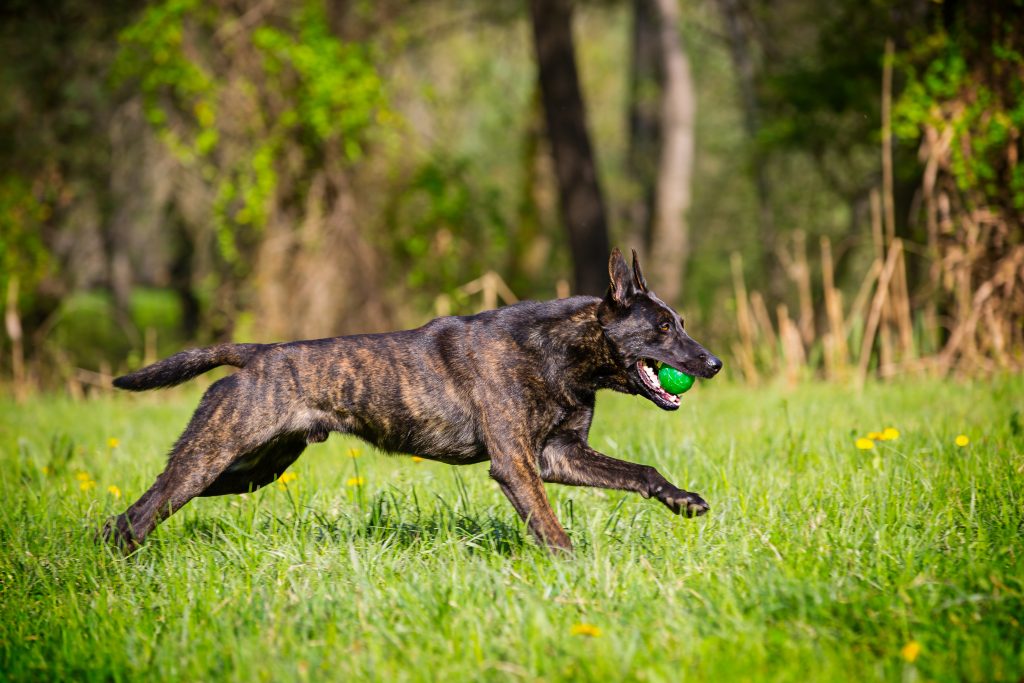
{"x":567,"y":459}
{"x":514,"y":467}
{"x":521,"y":483}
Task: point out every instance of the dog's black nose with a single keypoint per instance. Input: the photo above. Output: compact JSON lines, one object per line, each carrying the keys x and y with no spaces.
{"x":714,"y":364}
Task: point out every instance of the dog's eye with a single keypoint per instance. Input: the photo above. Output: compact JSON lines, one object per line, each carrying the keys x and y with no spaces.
{"x":665,"y":326}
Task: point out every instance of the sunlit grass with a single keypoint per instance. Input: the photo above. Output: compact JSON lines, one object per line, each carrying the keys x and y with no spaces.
{"x":820,"y":560}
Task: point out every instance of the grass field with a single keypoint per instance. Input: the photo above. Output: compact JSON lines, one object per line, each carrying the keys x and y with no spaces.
{"x":819,"y":560}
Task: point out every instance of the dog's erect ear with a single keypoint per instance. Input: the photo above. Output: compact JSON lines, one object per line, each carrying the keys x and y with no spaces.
{"x":638,"y":275}
{"x":623,"y":289}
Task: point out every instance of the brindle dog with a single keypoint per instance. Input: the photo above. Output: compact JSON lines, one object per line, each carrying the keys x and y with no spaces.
{"x":514,"y":386}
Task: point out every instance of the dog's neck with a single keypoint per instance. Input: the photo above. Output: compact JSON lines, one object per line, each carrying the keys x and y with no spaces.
{"x":582,"y":359}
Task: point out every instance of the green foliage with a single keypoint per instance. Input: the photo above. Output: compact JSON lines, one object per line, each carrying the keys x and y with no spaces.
{"x":820,"y":83}
{"x":23,"y":254}
{"x":336,"y":91}
{"x":173,"y":84}
{"x":311,"y":91}
{"x":976,"y":91}
{"x":86,"y":330}
{"x":447,"y":226}
{"x":818,"y":561}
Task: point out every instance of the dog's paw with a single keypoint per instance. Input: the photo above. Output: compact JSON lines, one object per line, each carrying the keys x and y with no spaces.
{"x":684,"y":503}
{"x":118,"y":532}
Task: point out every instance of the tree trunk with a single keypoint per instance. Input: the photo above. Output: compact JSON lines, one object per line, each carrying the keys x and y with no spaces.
{"x":531,"y":243}
{"x":581,"y":201}
{"x":645,"y":90}
{"x":670,"y":238}
{"x":182,"y":250}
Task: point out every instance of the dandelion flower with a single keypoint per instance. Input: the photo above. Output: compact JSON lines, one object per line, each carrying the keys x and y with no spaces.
{"x":353,"y":452}
{"x":585,"y":630}
{"x":911,"y":650}
{"x":87,"y":484}
{"x":113,"y":442}
{"x":355,"y":481}
{"x":114,"y":491}
{"x":961,"y":440}
{"x":287,"y":477}
{"x":417,"y":458}
{"x":83,"y":476}
{"x":864,"y":444}
{"x":876,"y":436}
{"x":890,"y":434}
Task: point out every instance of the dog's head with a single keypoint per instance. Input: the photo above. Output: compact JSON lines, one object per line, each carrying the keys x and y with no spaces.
{"x":644,"y":330}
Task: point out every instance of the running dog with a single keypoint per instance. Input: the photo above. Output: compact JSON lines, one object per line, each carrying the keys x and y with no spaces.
{"x":515,"y":386}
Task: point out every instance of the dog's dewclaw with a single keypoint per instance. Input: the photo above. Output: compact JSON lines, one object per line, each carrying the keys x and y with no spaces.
{"x":674,"y":381}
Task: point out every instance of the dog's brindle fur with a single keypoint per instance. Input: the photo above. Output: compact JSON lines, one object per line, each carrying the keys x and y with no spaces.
{"x":514,"y":386}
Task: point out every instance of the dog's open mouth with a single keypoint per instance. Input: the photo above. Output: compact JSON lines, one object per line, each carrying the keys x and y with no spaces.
{"x":647,"y":369}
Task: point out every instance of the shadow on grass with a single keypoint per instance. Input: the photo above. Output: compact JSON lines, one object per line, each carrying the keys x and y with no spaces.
{"x":389,"y":518}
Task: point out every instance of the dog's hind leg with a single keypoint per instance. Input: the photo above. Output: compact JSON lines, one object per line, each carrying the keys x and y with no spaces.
{"x":223,"y":429}
{"x":188,"y":474}
{"x":567,"y":459}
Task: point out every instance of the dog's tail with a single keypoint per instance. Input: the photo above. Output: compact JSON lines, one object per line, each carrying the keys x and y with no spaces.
{"x":183,"y":366}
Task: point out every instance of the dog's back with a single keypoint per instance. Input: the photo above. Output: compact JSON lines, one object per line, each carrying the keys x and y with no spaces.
{"x":425,"y":391}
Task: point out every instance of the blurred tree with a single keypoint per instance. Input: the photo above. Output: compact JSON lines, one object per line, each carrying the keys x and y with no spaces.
{"x":737,"y":20}
{"x":265,"y":111}
{"x":662,"y":144}
{"x":296,"y":168}
{"x":646,"y":75}
{"x":581,"y":200}
{"x":55,"y":115}
{"x":809,"y":84}
{"x":964,"y":101}
{"x":670,"y":234}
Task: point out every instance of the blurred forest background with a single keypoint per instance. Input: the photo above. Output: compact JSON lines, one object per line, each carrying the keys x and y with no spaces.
{"x":824,"y":188}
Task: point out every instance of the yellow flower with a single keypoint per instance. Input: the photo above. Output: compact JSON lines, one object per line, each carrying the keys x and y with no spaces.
{"x":46,"y":470}
{"x":417,"y":458}
{"x":87,"y":484}
{"x":864,"y":444}
{"x":890,"y":434}
{"x":876,"y":436}
{"x":585,"y":630}
{"x":83,"y":476}
{"x":113,"y":442}
{"x":114,"y":491}
{"x":911,"y":650}
{"x":287,"y":477}
{"x":962,"y":440}
{"x":355,"y":481}
{"x":353,"y":452}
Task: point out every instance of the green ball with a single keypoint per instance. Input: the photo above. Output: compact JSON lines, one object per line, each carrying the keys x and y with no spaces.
{"x":674,"y":381}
